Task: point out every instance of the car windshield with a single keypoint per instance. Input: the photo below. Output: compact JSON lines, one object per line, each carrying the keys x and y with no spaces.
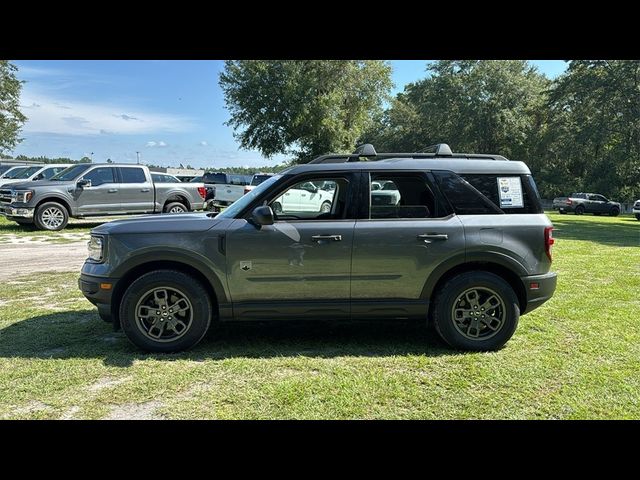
{"x":258,"y":179}
{"x":13,"y":173}
{"x":70,"y":173}
{"x":27,"y":172}
{"x":236,"y":207}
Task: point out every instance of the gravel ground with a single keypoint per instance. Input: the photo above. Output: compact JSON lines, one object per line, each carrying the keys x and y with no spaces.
{"x":32,"y":257}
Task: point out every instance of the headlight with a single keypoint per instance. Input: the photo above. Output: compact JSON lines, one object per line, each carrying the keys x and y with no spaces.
{"x":96,"y":246}
{"x":21,"y":196}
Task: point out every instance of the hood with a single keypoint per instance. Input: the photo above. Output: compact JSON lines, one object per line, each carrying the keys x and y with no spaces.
{"x":10,"y":182}
{"x":24,"y":185}
{"x":165,"y":223}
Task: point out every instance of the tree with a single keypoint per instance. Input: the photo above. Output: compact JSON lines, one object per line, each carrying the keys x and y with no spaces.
{"x":303,"y":108}
{"x":474,"y":105}
{"x":11,"y":119}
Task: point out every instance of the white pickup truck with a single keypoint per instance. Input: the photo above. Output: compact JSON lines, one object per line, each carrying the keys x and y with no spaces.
{"x":222,"y":189}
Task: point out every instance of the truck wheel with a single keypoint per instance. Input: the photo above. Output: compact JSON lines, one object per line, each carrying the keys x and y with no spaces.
{"x":277,"y":208}
{"x":614,"y":212}
{"x":175,"y":207}
{"x":579,"y":210}
{"x":476,"y":311}
{"x":326,"y":207}
{"x":637,"y":216}
{"x":165,"y":311}
{"x":51,"y":216}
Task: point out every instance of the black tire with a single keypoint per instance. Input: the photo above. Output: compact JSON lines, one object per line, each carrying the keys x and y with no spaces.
{"x":449,"y":295}
{"x":105,"y":317}
{"x":176,"y":281}
{"x":614,"y":212}
{"x":637,"y":216}
{"x":325,"y":207}
{"x":177,"y":207}
{"x":51,"y":216}
{"x":579,"y":210}
{"x":277,"y":208}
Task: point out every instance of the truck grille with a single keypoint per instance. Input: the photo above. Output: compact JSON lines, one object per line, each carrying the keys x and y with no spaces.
{"x":5,"y":196}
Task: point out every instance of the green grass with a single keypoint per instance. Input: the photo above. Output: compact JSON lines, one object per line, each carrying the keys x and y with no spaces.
{"x":575,"y":357}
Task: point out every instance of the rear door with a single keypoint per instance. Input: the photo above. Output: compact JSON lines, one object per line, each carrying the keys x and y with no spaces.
{"x":136,"y":191}
{"x":102,"y":196}
{"x":397,"y":247}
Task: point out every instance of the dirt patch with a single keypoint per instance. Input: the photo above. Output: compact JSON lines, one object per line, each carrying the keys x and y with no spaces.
{"x":71,"y":413}
{"x":27,"y":258}
{"x":31,"y":407}
{"x":107,"y":382}
{"x":136,"y":411}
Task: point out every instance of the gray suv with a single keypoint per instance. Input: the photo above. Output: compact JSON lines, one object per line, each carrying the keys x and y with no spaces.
{"x":464,"y":243}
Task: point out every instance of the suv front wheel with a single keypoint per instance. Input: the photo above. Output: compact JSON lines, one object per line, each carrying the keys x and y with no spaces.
{"x":476,"y":311}
{"x":165,"y":311}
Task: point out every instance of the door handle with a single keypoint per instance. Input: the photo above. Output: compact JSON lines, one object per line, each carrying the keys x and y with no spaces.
{"x":112,"y":190}
{"x":145,"y":190}
{"x":318,"y":238}
{"x":429,"y":237}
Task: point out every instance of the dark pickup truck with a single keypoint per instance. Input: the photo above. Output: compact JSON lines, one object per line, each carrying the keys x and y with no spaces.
{"x":580,"y":203}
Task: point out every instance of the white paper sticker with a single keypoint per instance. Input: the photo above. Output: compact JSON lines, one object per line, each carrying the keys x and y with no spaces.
{"x":510,"y":189}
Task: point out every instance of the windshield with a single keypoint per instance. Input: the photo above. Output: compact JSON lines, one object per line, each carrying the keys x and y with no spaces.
{"x":258,"y":179}
{"x":236,"y":207}
{"x":70,"y":173}
{"x":27,"y":172}
{"x":13,"y":173}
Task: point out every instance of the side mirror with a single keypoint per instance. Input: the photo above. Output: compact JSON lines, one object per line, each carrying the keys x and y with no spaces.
{"x":262,"y":216}
{"x":38,"y":177}
{"x":84,"y":183}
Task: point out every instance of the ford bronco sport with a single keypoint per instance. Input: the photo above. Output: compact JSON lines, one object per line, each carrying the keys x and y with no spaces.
{"x":463,"y":243}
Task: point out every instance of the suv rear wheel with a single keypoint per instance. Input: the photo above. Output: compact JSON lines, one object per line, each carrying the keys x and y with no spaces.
{"x":579,"y":210}
{"x":614,"y":212}
{"x":476,"y":311}
{"x":165,"y":311}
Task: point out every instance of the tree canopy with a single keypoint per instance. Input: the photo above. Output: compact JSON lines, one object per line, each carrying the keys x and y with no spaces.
{"x":11,"y":119}
{"x":303,"y":108}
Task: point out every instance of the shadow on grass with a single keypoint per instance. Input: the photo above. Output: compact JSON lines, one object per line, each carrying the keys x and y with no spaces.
{"x":617,"y":234}
{"x":81,"y":334}
{"x":30,"y":229}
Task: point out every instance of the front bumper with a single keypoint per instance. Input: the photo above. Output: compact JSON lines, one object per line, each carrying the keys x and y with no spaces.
{"x":12,"y":211}
{"x":539,"y":289}
{"x":636,"y":211}
{"x":98,"y":290}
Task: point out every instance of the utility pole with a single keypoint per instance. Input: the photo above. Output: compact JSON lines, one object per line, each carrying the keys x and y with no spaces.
{"x":91,"y":157}
{"x":138,"y":155}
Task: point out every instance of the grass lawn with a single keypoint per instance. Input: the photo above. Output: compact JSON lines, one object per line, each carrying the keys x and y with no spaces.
{"x":578,"y":356}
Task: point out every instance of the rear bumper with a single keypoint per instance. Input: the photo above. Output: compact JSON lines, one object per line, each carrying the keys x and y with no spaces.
{"x":539,"y":289}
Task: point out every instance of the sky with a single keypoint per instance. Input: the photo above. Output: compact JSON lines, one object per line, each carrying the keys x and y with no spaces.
{"x":170,"y":111}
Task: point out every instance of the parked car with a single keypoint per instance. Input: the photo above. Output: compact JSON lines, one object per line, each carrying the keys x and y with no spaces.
{"x":11,"y":171}
{"x":34,"y":173}
{"x":256,"y":180}
{"x":581,"y":203}
{"x":636,"y":209}
{"x":386,"y":194}
{"x":471,"y":260}
{"x":223,"y":189}
{"x":303,"y":197}
{"x":87,"y":189}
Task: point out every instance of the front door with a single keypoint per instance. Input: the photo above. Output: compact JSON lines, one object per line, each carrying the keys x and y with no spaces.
{"x":102,"y":196}
{"x":406,"y":236}
{"x":301,"y":265}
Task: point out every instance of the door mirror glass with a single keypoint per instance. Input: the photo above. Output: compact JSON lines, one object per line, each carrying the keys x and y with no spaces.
{"x":83,"y":182}
{"x":262,"y":216}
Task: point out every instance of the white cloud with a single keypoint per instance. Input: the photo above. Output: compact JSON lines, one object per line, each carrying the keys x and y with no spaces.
{"x":64,"y":116}
{"x":203,"y":143}
{"x":153,"y":143}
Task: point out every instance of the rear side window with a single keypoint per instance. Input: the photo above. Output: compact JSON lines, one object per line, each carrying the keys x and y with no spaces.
{"x":133,"y":175}
{"x":402,"y":195}
{"x":215,"y":178}
{"x":483,"y":193}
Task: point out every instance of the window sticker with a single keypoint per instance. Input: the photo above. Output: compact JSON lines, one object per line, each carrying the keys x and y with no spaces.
{"x":510,"y":189}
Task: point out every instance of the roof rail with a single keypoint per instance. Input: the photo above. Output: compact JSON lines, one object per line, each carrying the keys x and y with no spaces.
{"x":369,"y":152}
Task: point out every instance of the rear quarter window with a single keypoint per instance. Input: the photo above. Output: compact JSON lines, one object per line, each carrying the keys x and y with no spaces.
{"x":488,"y":186}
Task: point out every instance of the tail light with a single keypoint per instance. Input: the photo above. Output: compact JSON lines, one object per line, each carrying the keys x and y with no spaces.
{"x":202,"y":192}
{"x":569,"y":202}
{"x":548,"y":242}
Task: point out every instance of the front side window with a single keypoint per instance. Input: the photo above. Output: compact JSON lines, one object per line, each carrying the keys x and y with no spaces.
{"x":50,"y":172}
{"x":133,"y":175}
{"x":100,"y":176}
{"x":314,"y":199}
{"x":27,"y":172}
{"x":401,"y":195}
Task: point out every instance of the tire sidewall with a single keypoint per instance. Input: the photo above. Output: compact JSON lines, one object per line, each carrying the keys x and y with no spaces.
{"x":195,"y":292}
{"x":448,"y":295}
{"x":579,"y":210}
{"x":322,"y":207}
{"x":614,"y":212}
{"x":175,"y":204}
{"x":40,"y":210}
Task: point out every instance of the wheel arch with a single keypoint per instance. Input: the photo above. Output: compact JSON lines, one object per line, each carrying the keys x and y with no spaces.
{"x":177,"y":197}
{"x":60,"y":200}
{"x":509,"y":270}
